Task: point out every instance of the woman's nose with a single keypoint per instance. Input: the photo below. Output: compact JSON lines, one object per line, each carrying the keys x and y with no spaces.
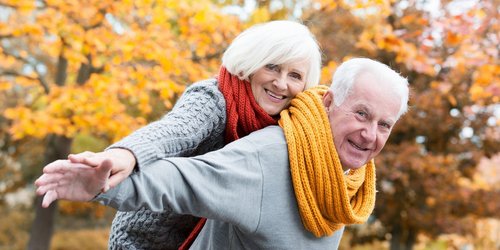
{"x":280,"y":82}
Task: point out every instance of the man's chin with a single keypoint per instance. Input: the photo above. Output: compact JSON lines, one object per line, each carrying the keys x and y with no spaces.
{"x":352,"y":165}
{"x":357,"y":167}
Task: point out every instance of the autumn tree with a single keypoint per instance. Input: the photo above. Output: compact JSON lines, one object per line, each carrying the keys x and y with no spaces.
{"x":101,"y":69}
{"x":450,"y":55}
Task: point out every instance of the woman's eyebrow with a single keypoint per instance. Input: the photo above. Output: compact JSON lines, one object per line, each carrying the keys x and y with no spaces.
{"x":297,"y":71}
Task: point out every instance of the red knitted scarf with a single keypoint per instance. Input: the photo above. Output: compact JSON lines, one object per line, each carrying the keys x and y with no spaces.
{"x":243,"y":113}
{"x":244,"y":116}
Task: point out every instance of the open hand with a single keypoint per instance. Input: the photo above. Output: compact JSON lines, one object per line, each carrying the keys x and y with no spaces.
{"x":122,"y":161}
{"x":62,"y":179}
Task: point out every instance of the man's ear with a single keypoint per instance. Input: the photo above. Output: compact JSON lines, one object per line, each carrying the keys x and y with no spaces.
{"x":328,"y":99}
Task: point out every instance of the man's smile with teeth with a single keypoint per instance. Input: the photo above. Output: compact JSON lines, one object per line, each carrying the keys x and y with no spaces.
{"x":274,"y":95}
{"x":356,"y":146}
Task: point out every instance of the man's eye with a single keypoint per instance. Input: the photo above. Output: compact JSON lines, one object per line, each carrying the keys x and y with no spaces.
{"x":361,"y":113}
{"x":385,"y":125}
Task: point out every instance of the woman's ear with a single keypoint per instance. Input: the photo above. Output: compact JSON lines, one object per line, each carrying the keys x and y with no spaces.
{"x":328,"y":99}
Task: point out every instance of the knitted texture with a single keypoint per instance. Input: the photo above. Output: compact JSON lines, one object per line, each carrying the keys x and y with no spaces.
{"x":243,"y":113}
{"x":326,"y":197}
{"x":144,"y":229}
{"x":194,"y":126}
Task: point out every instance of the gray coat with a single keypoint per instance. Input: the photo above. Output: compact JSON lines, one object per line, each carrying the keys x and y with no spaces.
{"x":244,"y":190}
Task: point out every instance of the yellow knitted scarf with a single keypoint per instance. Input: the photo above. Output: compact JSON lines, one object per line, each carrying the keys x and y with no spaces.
{"x":326,"y":196}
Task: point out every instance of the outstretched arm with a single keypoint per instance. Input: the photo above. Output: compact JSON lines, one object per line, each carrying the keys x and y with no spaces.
{"x":217,"y":185}
{"x":72,"y":181}
{"x":198,"y":118}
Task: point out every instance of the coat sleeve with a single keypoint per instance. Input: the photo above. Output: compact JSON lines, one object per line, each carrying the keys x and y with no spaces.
{"x":223,"y":185}
{"x":197,"y":116}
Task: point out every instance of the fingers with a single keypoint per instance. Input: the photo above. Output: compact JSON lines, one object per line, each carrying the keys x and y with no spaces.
{"x":105,"y":169}
{"x":48,"y":178}
{"x":106,"y":166}
{"x":115,"y":179}
{"x":43,"y":189}
{"x":55,"y":166}
{"x":89,"y":158}
{"x":52,"y":181}
{"x":49,"y":197}
{"x":63,"y":179}
{"x":62,"y":166}
{"x":86,"y":154}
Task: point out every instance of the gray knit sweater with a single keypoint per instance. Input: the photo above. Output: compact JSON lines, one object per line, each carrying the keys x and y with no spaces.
{"x":193,"y":127}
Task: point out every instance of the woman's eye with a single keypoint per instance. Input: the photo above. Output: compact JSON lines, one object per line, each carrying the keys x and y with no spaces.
{"x":296,"y":75}
{"x":272,"y":67}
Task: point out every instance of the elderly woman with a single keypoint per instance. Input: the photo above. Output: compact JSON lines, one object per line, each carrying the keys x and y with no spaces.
{"x":262,"y":70}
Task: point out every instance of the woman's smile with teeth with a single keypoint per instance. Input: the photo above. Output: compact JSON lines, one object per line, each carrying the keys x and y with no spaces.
{"x":274,"y":95}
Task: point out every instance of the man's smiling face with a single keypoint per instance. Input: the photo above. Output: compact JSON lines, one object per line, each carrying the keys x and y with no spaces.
{"x":362,"y":124}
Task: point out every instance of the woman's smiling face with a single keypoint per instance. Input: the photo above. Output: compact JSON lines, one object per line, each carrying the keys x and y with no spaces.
{"x":274,"y":86}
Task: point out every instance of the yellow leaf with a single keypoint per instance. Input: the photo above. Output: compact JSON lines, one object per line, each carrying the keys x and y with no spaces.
{"x":4,"y":85}
{"x":452,"y":100}
{"x":260,"y":15}
{"x":327,"y":72}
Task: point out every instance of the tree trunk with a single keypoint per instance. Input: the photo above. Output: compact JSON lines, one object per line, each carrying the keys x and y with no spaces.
{"x":396,"y":239}
{"x":41,"y":231}
{"x":43,"y":225}
{"x":410,"y":239}
{"x":402,"y":240}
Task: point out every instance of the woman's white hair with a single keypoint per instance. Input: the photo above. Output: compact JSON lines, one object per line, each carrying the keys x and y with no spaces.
{"x":275,"y":42}
{"x":347,"y":72}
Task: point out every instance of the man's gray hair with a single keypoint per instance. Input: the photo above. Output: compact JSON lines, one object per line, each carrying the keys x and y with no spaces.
{"x":347,"y":73}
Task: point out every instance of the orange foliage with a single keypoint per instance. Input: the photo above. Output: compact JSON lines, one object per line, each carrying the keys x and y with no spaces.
{"x":327,"y":71}
{"x":81,"y":239}
{"x":102,"y":68}
{"x":486,"y":85}
{"x":79,"y":209}
{"x":140,"y":57}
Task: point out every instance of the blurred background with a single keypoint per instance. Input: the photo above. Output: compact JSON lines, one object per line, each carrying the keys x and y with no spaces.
{"x":78,"y":75}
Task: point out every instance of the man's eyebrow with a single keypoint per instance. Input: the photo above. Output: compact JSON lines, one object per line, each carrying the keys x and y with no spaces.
{"x":389,"y":121}
{"x":363,"y":106}
{"x":368,"y":109}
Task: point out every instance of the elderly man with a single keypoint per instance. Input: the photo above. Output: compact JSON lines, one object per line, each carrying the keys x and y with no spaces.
{"x":290,"y":186}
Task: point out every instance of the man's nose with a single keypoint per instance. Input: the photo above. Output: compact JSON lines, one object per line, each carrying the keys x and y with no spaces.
{"x":369,"y":132}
